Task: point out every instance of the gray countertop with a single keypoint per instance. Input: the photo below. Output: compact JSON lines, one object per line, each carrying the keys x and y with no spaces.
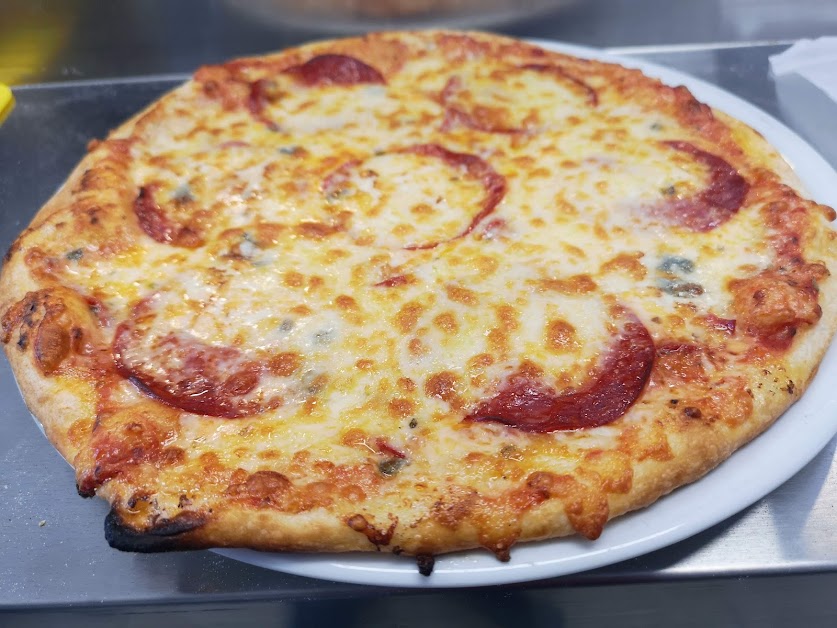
{"x":65,"y":563}
{"x":51,"y":40}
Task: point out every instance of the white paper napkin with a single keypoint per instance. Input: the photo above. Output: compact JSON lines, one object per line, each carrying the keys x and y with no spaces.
{"x":813,"y":59}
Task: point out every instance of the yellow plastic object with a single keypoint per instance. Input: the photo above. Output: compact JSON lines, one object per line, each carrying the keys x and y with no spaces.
{"x":7,"y":102}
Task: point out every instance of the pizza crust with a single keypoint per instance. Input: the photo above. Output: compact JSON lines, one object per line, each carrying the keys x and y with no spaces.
{"x":65,"y":401}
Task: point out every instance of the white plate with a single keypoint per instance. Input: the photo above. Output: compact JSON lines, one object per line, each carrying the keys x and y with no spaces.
{"x":779,"y":453}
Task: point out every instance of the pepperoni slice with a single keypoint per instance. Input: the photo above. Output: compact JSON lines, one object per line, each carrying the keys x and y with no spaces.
{"x":333,"y":183}
{"x":481,"y":118}
{"x":257,"y":98}
{"x":234,"y":144}
{"x":473,"y":166}
{"x":713,"y":205}
{"x":189,"y":374}
{"x":531,"y":405}
{"x":157,"y":225}
{"x":457,"y":116}
{"x":229,"y":84}
{"x":257,"y":101}
{"x":335,"y":69}
{"x":590,"y":94}
{"x":726,"y":325}
{"x":396,"y":281}
{"x":384,"y":447}
{"x":476,"y":167}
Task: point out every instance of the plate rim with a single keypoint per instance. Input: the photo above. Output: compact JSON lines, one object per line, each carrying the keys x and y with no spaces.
{"x":820,"y":181}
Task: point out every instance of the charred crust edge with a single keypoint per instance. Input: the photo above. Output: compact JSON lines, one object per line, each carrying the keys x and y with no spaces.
{"x":164,"y":536}
{"x":425,"y":563}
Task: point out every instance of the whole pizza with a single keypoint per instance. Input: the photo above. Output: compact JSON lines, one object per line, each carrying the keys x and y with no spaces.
{"x":413,"y":293}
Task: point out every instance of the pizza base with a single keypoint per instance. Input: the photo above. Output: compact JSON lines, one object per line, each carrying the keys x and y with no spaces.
{"x":61,"y":401}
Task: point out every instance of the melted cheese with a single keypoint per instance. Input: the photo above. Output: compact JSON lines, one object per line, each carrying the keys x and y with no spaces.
{"x":577,"y":185}
{"x":305,"y":222}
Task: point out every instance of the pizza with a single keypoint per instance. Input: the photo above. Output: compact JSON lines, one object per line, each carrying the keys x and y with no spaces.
{"x":415,"y":292}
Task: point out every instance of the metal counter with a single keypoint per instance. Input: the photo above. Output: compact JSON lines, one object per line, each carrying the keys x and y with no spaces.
{"x":773,"y":563}
{"x":53,"y":40}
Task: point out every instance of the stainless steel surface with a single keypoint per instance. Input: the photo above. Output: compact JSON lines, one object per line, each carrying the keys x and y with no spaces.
{"x":49,"y":40}
{"x":52,"y":550}
{"x":773,"y":564}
